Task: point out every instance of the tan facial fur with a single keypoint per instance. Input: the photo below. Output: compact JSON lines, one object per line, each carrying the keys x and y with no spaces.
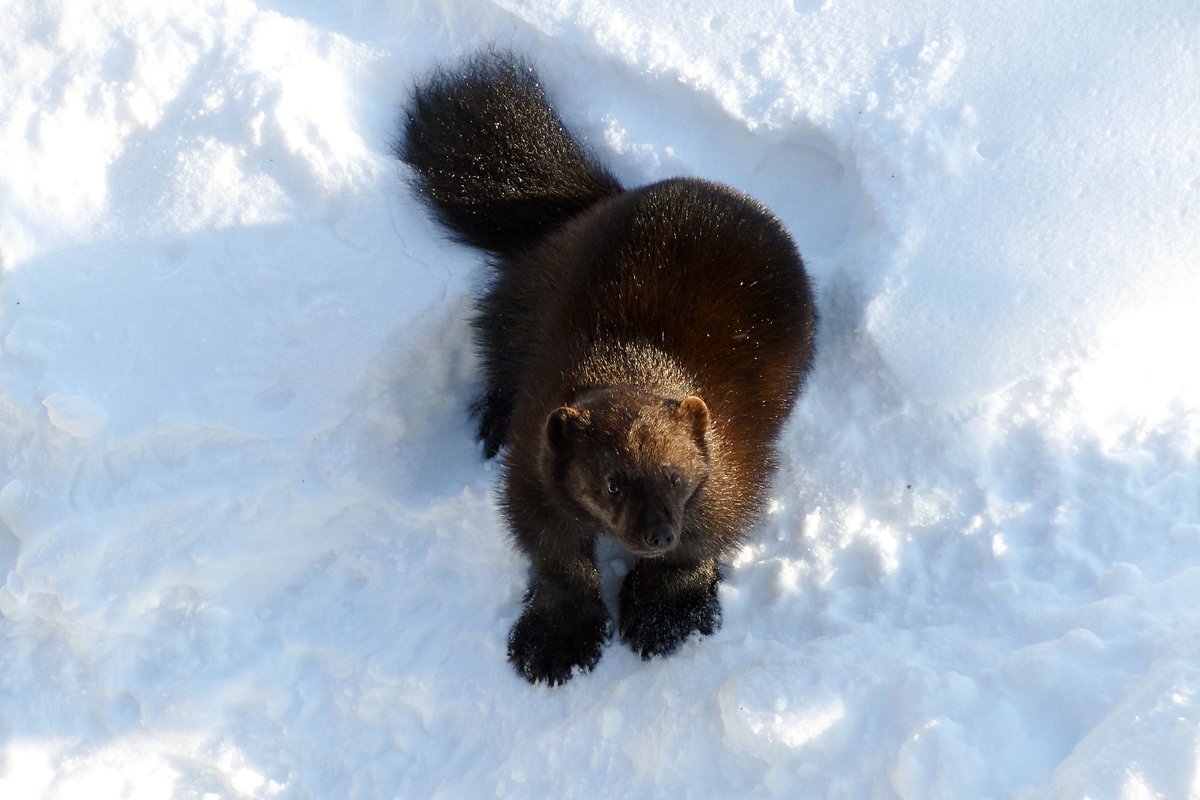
{"x":631,"y":462}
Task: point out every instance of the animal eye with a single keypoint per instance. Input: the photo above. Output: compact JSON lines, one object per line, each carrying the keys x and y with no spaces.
{"x":674,"y":478}
{"x":614,"y":486}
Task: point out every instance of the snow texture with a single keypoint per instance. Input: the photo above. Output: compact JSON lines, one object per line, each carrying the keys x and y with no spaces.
{"x":248,"y":547}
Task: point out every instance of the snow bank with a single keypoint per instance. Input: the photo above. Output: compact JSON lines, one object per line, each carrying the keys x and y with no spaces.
{"x":248,"y":548}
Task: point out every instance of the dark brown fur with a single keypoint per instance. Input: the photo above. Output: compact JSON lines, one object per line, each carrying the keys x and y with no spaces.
{"x":641,"y":356}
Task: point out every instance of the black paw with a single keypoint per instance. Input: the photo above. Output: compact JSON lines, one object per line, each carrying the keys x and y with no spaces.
{"x":550,"y":648}
{"x":660,"y":607}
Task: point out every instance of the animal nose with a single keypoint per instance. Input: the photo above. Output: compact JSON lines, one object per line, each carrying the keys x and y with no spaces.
{"x":660,"y":538}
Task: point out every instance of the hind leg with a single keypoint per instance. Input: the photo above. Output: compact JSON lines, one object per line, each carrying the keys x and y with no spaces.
{"x":492,"y":410}
{"x":502,"y":334}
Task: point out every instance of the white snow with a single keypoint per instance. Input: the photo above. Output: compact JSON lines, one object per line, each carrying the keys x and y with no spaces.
{"x":248,"y":547}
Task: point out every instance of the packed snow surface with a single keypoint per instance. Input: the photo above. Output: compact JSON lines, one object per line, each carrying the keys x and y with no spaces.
{"x":248,"y":547}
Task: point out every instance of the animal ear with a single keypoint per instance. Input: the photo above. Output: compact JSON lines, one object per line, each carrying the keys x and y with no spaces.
{"x":563,"y":426}
{"x":695,"y":410}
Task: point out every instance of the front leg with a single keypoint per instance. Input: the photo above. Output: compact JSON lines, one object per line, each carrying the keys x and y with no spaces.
{"x":662,"y":604}
{"x":563,"y":628}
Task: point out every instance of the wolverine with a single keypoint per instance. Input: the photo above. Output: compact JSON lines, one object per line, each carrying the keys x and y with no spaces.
{"x":640,"y":350}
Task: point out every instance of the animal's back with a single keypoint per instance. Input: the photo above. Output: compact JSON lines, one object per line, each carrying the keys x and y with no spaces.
{"x":691,"y":269}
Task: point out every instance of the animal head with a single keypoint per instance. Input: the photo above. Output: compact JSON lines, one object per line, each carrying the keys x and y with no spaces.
{"x":631,"y":461}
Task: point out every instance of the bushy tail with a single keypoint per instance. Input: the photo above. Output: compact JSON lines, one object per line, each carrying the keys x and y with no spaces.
{"x":492,"y":158}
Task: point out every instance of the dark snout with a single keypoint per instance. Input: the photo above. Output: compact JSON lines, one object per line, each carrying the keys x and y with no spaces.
{"x":661,"y":538}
